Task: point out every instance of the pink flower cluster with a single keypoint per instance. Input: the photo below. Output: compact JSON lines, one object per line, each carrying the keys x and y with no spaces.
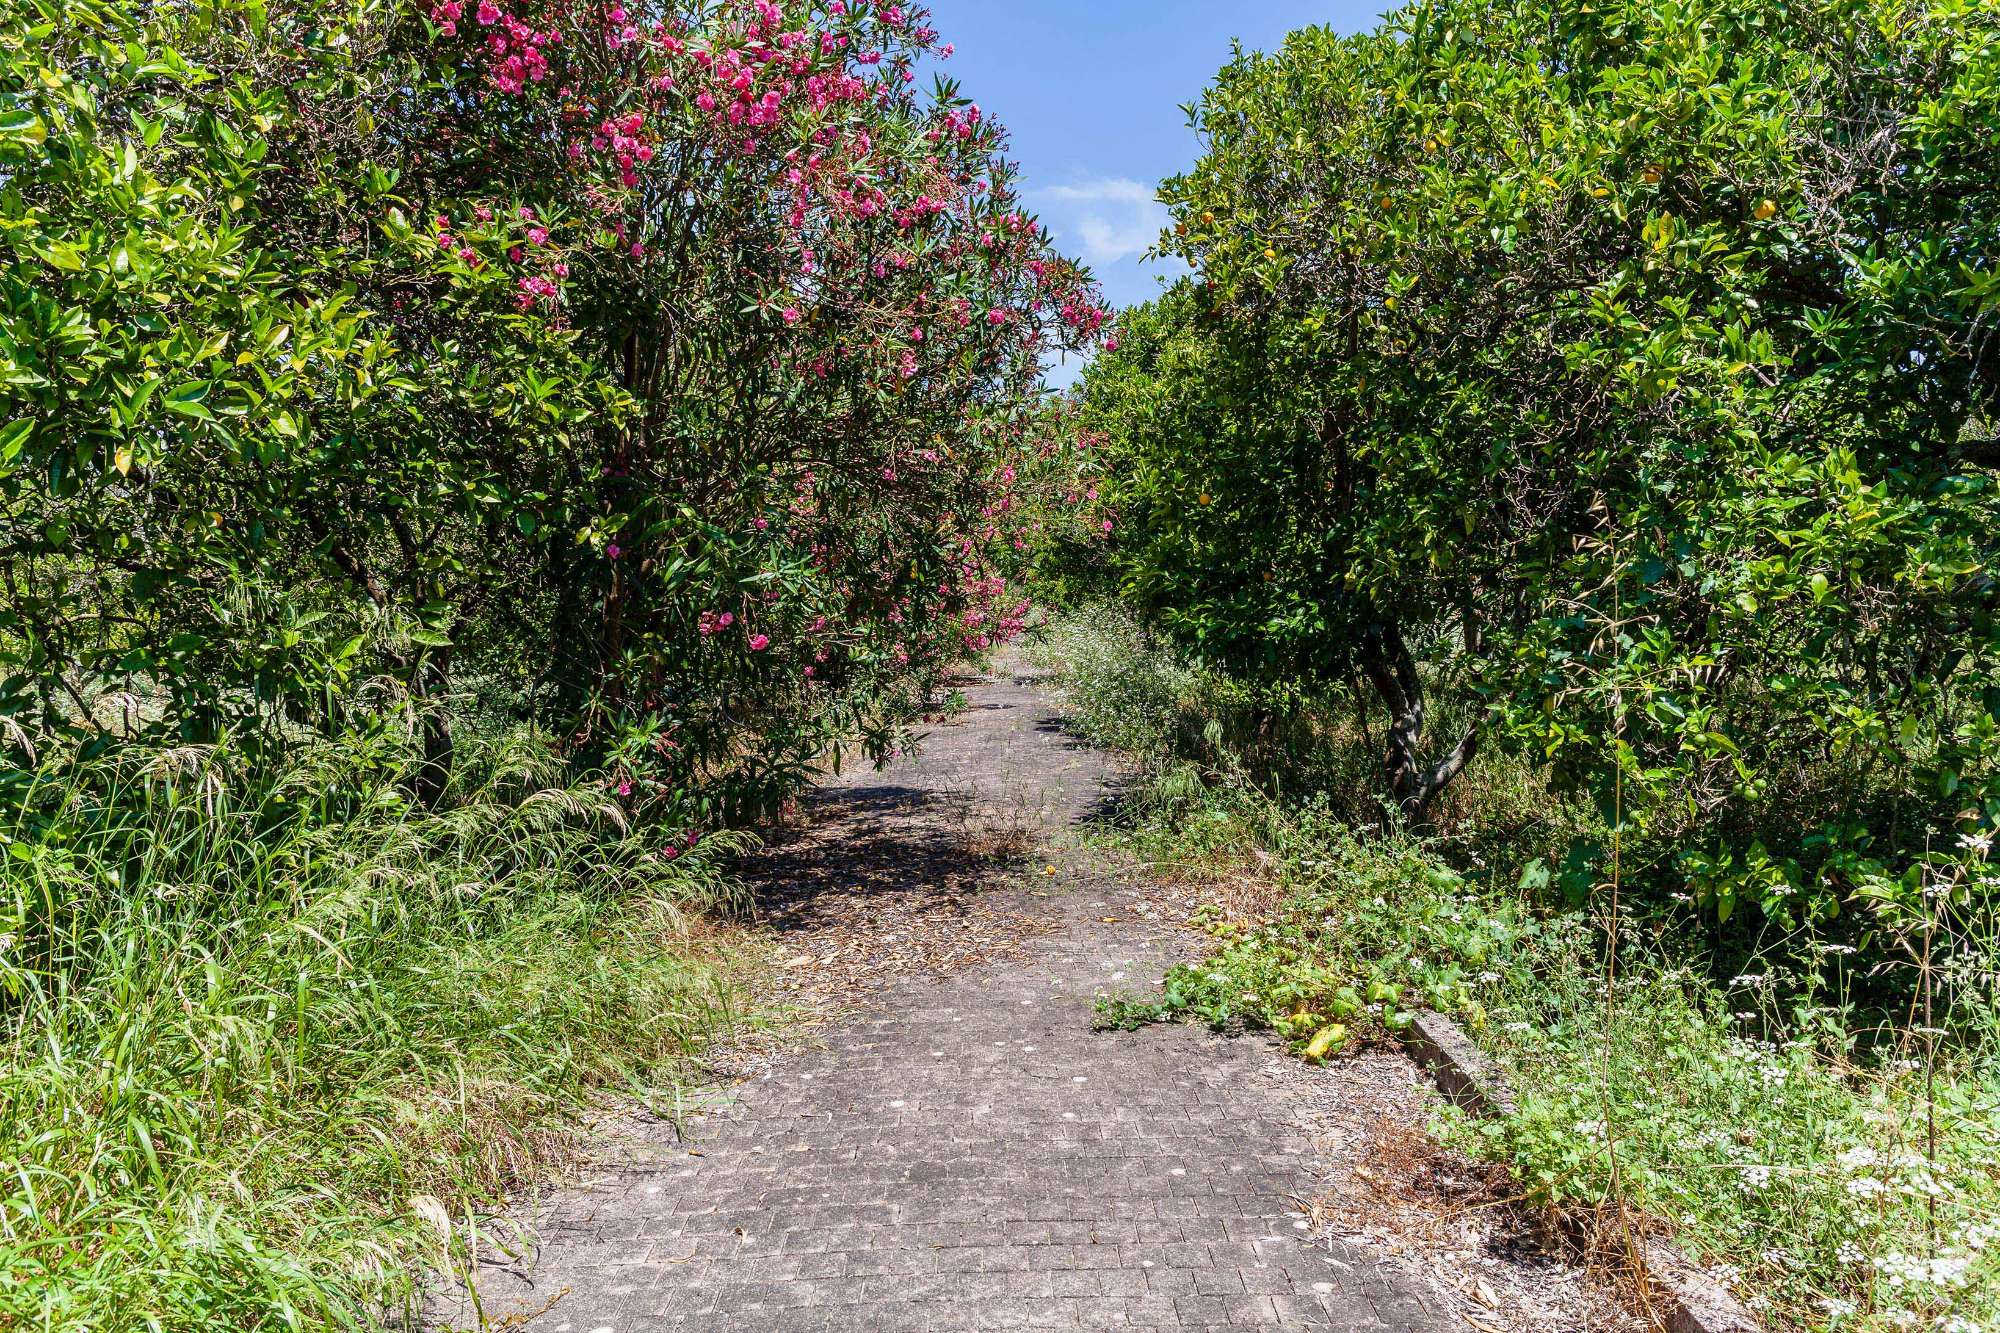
{"x":514,"y":51}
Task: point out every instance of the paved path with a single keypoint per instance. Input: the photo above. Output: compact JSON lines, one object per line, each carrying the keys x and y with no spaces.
{"x":968,"y":1154}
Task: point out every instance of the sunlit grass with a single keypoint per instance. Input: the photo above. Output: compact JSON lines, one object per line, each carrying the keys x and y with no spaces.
{"x":275,"y":1042}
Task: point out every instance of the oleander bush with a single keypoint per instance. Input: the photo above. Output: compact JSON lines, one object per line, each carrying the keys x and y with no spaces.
{"x":658,"y":371}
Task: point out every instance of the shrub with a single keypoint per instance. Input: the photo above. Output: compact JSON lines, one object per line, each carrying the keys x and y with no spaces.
{"x":653,"y":371}
{"x":1614,"y":373}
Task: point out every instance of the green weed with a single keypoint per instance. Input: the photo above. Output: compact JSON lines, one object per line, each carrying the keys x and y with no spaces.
{"x":1841,"y":1170}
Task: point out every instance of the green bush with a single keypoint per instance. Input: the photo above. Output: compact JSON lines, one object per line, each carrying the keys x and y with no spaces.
{"x":354,"y":359}
{"x":1607,"y":385}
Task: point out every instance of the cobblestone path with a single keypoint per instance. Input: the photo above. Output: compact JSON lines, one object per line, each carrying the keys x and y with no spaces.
{"x":967,"y":1154}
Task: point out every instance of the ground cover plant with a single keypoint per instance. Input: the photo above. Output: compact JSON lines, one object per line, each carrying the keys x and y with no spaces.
{"x":279,"y":1039}
{"x":1838,"y":1177}
{"x":459,"y":464}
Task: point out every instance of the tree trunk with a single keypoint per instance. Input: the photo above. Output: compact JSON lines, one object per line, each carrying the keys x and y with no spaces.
{"x":427,"y":681}
{"x":423,"y":670}
{"x":1392,"y":673}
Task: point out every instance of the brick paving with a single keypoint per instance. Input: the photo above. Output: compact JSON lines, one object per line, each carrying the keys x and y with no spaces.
{"x":967,"y":1154}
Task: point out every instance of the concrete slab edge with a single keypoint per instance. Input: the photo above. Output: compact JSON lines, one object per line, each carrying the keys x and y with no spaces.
{"x":1696,"y":1303}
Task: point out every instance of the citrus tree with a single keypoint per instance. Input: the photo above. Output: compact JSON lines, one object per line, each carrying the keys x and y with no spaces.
{"x":1623,"y":368}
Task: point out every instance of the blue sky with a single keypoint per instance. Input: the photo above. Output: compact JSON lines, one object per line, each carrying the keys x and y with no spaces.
{"x":1092,"y":93}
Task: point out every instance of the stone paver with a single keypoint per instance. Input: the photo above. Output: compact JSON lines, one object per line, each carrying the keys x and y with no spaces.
{"x":968,"y":1154}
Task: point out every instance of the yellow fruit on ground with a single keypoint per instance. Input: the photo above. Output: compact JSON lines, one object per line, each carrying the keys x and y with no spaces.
{"x":1332,"y":1037}
{"x":1269,"y":253}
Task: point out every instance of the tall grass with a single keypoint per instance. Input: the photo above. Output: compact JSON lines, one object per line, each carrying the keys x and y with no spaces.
{"x":275,"y":1040}
{"x":1840,"y":1169}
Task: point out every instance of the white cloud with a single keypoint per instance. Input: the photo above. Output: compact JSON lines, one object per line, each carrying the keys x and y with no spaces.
{"x":1112,"y":218}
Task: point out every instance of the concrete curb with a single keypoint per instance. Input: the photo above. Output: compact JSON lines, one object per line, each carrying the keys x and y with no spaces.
{"x":1696,"y":1303}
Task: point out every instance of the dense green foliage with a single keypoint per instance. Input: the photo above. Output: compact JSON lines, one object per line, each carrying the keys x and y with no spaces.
{"x":1618,"y":376}
{"x":280,"y":1039}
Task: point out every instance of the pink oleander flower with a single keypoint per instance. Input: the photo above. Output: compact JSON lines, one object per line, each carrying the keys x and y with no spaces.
{"x":614,"y":550}
{"x":793,"y":315}
{"x":759,"y":642}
